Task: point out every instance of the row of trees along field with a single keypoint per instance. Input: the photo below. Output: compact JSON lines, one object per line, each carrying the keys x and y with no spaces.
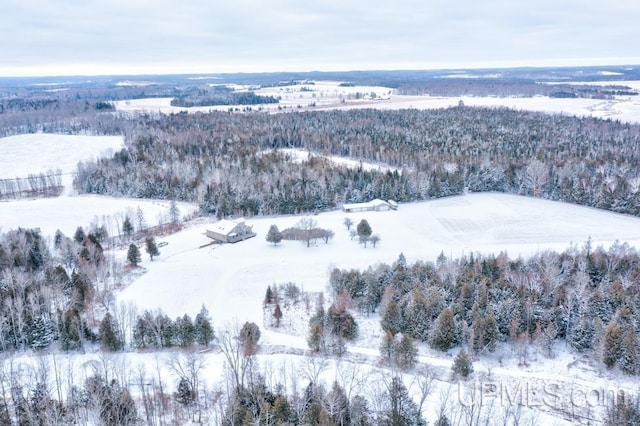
{"x":229,"y":163}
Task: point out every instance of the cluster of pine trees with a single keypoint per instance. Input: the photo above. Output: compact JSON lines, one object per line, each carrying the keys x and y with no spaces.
{"x":585,"y":297}
{"x":159,"y":331}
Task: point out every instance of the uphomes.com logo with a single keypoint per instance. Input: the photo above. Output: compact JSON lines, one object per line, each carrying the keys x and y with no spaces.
{"x":531,"y":394}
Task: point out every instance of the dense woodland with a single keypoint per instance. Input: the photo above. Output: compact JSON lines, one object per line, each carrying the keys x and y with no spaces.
{"x":219,"y":95}
{"x":229,"y":163}
{"x":585,"y":297}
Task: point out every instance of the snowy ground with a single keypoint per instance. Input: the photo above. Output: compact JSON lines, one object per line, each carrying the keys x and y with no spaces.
{"x":330,"y":95}
{"x":231,"y":281}
{"x":226,"y":277}
{"x":39,"y":152}
{"x":301,"y":155}
{"x":66,"y":213}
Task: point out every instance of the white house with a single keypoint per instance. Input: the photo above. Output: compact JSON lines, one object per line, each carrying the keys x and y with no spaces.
{"x":376,"y":205}
{"x":230,"y":231}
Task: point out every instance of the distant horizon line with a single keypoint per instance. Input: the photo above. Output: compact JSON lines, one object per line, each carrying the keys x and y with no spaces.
{"x":84,"y":70}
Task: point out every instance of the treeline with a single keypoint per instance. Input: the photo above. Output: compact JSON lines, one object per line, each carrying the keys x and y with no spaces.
{"x":487,"y":86}
{"x":40,"y":185}
{"x":584,"y":297}
{"x":221,"y":96}
{"x":229,"y":163}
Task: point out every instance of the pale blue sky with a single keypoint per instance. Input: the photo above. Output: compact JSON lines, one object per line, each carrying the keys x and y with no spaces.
{"x":143,"y":36}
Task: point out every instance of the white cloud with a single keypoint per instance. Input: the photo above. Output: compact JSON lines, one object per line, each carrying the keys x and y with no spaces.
{"x":246,"y":34}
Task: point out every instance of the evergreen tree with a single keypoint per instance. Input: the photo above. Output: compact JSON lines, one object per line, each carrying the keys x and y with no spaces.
{"x":203,"y":330}
{"x":277,"y":314}
{"x":127,"y":227}
{"x":406,"y":353}
{"x":185,"y":394}
{"x":612,"y":345}
{"x":364,"y":229}
{"x":282,"y":412}
{"x":417,"y":318}
{"x":268,"y":297}
{"x":71,"y":330}
{"x":580,"y":336}
{"x":108,"y":334}
{"x":79,"y":236}
{"x":184,"y":331}
{"x":360,"y":412}
{"x":444,"y":337}
{"x":401,"y":410}
{"x":42,"y":333}
{"x":442,"y":421}
{"x":388,"y":347}
{"x":143,"y":336}
{"x":166,"y":330}
{"x":274,"y":235}
{"x":341,"y":323}
{"x":151,"y":247}
{"x":485,"y":333}
{"x":133,"y":255}
{"x":462,"y":366}
{"x":316,"y":338}
{"x":392,"y":318}
{"x":57,"y":239}
{"x":629,"y":359}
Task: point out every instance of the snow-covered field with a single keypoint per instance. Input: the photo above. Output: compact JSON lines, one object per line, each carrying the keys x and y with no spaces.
{"x":231,"y":279}
{"x":39,"y":152}
{"x":330,"y":95}
{"x":66,"y":213}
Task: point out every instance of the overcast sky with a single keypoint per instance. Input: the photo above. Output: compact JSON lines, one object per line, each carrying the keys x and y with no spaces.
{"x":165,"y":36}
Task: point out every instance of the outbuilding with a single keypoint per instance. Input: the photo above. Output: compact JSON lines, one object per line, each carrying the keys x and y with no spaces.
{"x":230,"y":231}
{"x":376,"y":205}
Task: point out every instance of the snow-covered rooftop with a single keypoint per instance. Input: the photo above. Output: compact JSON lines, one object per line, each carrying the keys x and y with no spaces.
{"x":226,"y":226}
{"x":368,"y":205}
